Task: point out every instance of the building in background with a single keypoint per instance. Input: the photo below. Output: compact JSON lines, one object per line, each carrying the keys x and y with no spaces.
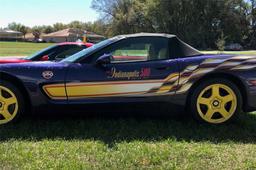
{"x":66,"y":35}
{"x":92,"y":37}
{"x":72,"y":35}
{"x":29,"y":37}
{"x":10,"y":35}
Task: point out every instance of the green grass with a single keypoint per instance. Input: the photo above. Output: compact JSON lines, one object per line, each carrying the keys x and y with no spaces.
{"x":251,"y":52}
{"x":103,"y":142}
{"x":24,"y":49}
{"x":75,"y":142}
{"x":20,"y":48}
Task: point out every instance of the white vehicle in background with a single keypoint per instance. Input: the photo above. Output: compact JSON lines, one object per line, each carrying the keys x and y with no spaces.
{"x":234,"y":47}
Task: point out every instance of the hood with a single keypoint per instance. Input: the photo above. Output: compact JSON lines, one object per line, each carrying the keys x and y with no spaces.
{"x":33,"y":71}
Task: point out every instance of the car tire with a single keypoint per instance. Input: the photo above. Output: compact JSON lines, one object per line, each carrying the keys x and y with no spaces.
{"x":215,"y":101}
{"x":11,"y":103}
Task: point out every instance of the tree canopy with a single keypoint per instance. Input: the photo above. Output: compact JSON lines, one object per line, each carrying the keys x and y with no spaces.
{"x":201,"y":23}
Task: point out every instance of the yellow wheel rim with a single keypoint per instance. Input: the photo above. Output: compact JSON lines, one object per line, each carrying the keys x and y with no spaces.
{"x":8,"y":105}
{"x":216,"y":103}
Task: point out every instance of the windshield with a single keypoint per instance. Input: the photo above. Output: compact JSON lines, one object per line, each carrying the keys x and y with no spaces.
{"x":31,"y":57}
{"x":86,"y":51}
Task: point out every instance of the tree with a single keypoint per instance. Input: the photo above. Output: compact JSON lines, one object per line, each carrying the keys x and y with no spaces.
{"x":220,"y":43}
{"x":122,"y":16}
{"x":36,"y":31}
{"x":48,"y":29}
{"x":77,"y":25}
{"x":252,"y":18}
{"x":24,"y":30}
{"x":198,"y":22}
{"x":14,"y":26}
{"x":59,"y":26}
{"x":18,"y":27}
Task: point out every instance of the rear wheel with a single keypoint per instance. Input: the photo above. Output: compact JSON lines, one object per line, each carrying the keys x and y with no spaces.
{"x":216,"y":101}
{"x":11,"y":103}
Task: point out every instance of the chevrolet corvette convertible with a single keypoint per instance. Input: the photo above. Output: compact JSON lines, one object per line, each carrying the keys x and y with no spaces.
{"x":137,"y":68}
{"x":53,"y":53}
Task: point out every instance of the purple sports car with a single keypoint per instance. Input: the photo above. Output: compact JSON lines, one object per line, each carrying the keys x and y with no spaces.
{"x":137,"y":68}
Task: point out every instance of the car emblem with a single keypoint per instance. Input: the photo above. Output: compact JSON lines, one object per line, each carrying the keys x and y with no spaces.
{"x":47,"y":74}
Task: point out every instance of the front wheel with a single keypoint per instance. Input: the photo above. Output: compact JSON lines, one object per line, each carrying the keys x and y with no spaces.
{"x":216,"y":101}
{"x":11,"y":103}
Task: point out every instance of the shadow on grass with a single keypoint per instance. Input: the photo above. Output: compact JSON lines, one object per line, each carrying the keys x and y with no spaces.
{"x":111,"y":129}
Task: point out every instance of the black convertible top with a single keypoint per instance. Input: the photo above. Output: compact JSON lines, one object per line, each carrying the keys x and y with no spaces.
{"x":182,"y":49}
{"x":178,"y":47}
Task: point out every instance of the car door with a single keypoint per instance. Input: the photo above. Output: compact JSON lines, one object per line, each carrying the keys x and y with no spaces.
{"x":140,"y":68}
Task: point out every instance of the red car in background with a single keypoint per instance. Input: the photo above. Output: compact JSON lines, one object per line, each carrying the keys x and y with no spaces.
{"x":53,"y":53}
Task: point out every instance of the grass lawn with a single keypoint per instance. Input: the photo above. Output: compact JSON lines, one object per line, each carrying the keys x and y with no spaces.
{"x":20,"y":48}
{"x":251,"y":52}
{"x":75,"y":142}
{"x":24,"y":49}
{"x":127,"y":143}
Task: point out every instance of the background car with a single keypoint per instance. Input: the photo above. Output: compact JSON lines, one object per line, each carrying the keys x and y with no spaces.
{"x":234,"y":47}
{"x":39,"y":41}
{"x":53,"y":53}
{"x":138,"y":68}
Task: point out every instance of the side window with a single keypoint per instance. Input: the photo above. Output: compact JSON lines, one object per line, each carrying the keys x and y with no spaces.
{"x":53,"y":52}
{"x":68,"y":51}
{"x":49,"y":52}
{"x":140,"y":49}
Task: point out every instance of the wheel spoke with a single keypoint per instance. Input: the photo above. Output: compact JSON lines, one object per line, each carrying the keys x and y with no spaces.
{"x":215,"y":91}
{"x":224,"y":112}
{"x":7,"y":98}
{"x":204,"y":101}
{"x":9,"y":101}
{"x":6,"y":114}
{"x":1,"y":94}
{"x":209,"y":114}
{"x":227,"y":98}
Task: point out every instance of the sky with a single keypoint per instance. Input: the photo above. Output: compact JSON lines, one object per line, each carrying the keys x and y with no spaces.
{"x":45,"y":12}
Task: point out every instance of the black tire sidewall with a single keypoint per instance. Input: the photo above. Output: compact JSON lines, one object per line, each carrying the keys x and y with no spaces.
{"x":206,"y":83}
{"x":19,"y":97}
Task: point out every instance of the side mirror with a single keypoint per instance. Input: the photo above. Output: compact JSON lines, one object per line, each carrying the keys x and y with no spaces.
{"x":104,"y":59}
{"x":45,"y":58}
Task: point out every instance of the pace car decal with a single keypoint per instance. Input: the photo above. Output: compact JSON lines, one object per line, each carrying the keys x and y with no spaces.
{"x":114,"y":73}
{"x":174,"y":83}
{"x":192,"y":73}
{"x":47,"y":74}
{"x":55,"y":91}
{"x":111,"y":88}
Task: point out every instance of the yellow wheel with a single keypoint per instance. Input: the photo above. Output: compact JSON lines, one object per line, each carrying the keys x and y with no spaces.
{"x":216,"y":101}
{"x":10,"y":98}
